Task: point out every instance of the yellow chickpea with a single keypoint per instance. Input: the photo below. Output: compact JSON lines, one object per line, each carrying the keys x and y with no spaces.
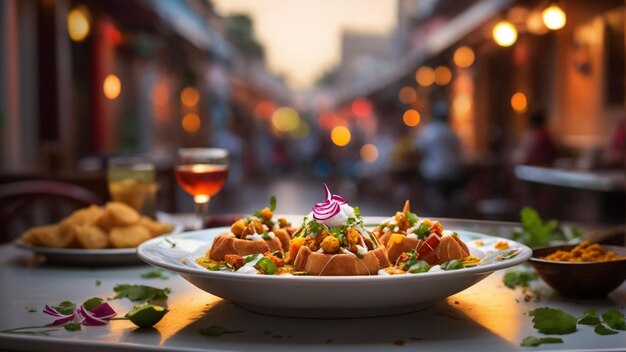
{"x":330,"y":244}
{"x":282,"y":222}
{"x":266,"y":213}
{"x":238,"y":227}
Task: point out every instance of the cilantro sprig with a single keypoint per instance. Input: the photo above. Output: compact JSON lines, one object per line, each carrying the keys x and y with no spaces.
{"x":536,"y":232}
{"x":512,"y":279}
{"x":141,"y":293}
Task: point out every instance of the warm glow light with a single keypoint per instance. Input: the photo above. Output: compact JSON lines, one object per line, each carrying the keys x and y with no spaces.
{"x":411,"y":118}
{"x":285,"y":119}
{"x":340,"y":135}
{"x":189,"y":97}
{"x":407,"y":95}
{"x":78,"y":26}
{"x":519,"y":103}
{"x":443,"y":75}
{"x":534,"y":23}
{"x":264,"y":110}
{"x":463,"y":57}
{"x":191,"y":122}
{"x":504,"y":33}
{"x":369,"y":153}
{"x":553,"y":17}
{"x":361,"y":107}
{"x":112,"y":87}
{"x":462,"y":104}
{"x":425,"y":76}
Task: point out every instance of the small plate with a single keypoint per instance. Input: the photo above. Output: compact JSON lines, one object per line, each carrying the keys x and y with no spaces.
{"x":324,"y":296}
{"x":89,"y":257}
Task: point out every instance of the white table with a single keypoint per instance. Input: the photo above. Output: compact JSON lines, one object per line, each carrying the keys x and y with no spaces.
{"x":485,"y":317}
{"x":599,"y":180}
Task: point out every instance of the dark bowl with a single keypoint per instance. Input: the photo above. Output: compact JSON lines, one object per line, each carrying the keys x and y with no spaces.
{"x":580,"y":280}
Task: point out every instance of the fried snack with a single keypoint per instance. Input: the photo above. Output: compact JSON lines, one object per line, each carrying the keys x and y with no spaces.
{"x":117,"y":214}
{"x":451,"y":247}
{"x":128,"y":236}
{"x":91,"y":237}
{"x":85,"y":216}
{"x":154,"y":227}
{"x":33,"y":234}
{"x":315,"y":263}
{"x":53,"y":236}
{"x":225,"y":244}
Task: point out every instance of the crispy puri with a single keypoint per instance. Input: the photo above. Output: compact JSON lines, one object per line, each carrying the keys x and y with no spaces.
{"x":91,"y":237}
{"x":128,"y":236}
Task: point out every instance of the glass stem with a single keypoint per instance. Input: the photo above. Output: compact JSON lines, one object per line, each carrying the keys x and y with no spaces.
{"x":201,"y":206}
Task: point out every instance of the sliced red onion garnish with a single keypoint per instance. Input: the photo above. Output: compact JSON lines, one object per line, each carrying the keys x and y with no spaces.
{"x":330,"y":208}
{"x":98,"y":316}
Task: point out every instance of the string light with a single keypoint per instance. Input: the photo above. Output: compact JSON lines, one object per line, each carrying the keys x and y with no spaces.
{"x":443,"y":75}
{"x":78,"y":26}
{"x":340,"y":136}
{"x":463,"y":57}
{"x":554,"y":17}
{"x":112,"y":87}
{"x":504,"y":33}
{"x":519,"y":103}
{"x":425,"y":76}
{"x":411,"y":118}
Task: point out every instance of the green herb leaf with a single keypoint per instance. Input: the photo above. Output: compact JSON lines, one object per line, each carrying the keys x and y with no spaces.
{"x":72,"y":326}
{"x":92,"y":303}
{"x":65,"y":307}
{"x":603,"y":330}
{"x":419,"y":267}
{"x":422,"y":231}
{"x":272,"y":203}
{"x":257,"y":213}
{"x":410,"y":262}
{"x":98,"y":283}
{"x":454,"y":264}
{"x":590,"y":318}
{"x":138,"y":293}
{"x":512,"y":279}
{"x":532,"y":341}
{"x":155,"y":274}
{"x":250,"y":258}
{"x":614,"y":319}
{"x":412,"y":217}
{"x":266,"y":266}
{"x":266,"y":236}
{"x":552,"y":321}
{"x":510,"y":254}
{"x":357,"y":212}
{"x":534,"y":232}
{"x":216,"y":331}
{"x":222,"y":266}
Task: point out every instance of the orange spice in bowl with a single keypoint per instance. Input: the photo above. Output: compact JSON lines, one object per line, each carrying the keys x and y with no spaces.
{"x":584,"y":252}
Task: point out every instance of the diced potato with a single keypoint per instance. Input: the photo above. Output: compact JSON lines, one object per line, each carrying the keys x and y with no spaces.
{"x":266,"y":213}
{"x":238,"y":227}
{"x":395,"y":238}
{"x":330,"y":244}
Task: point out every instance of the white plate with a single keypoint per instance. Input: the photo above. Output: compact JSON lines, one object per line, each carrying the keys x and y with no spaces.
{"x":88,"y":257}
{"x":324,"y":296}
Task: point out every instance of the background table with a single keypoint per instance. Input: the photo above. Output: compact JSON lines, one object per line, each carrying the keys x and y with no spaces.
{"x":487,"y":317}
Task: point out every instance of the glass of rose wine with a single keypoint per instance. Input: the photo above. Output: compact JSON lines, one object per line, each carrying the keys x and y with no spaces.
{"x":201,"y":172}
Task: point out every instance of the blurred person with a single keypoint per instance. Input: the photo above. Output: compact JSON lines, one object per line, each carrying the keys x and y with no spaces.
{"x":536,"y":147}
{"x":441,"y":163}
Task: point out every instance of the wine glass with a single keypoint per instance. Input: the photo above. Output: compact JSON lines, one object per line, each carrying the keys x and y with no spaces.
{"x":201,"y":172}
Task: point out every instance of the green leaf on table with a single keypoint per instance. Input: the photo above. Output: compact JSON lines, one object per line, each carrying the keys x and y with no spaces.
{"x":72,"y":326}
{"x":614,"y":319}
{"x":532,"y":341}
{"x":216,"y":331}
{"x":512,"y":279}
{"x":551,"y":321}
{"x":139,"y":293}
{"x":155,"y":274}
{"x":98,"y":283}
{"x":590,"y":318}
{"x":92,"y":303}
{"x":65,"y":307}
{"x":30,"y":309}
{"x":603,"y":330}
{"x":273,"y":203}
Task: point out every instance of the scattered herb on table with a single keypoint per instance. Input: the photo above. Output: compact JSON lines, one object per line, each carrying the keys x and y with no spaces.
{"x":155,"y":274}
{"x":72,"y":326}
{"x":98,"y":283}
{"x":30,"y":309}
{"x":552,"y":321}
{"x":590,"y":318}
{"x":614,"y":319}
{"x":138,"y":293}
{"x":172,"y":243}
{"x":65,"y":307}
{"x":512,"y":279}
{"x":600,"y":329}
{"x":532,"y":341}
{"x":93,"y":303}
{"x":216,"y":331}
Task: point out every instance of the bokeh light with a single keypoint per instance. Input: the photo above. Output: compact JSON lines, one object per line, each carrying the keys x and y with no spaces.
{"x":285,"y":119}
{"x":190,"y":97}
{"x":191,"y":122}
{"x":443,"y":75}
{"x":411,"y":118}
{"x":425,"y":76}
{"x":407,"y":95}
{"x":264,"y":110}
{"x":369,"y":153}
{"x":519,"y":103}
{"x":534,"y":23}
{"x":112,"y":87}
{"x":504,"y":33}
{"x":463,"y":57}
{"x":462,"y":104}
{"x":553,"y":17}
{"x":78,"y":26}
{"x":340,"y":136}
{"x":361,"y":107}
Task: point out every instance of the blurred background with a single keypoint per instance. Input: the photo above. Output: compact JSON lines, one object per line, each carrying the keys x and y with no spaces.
{"x":470,"y":109}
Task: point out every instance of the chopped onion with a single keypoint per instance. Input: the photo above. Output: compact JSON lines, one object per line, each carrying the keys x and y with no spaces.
{"x":98,"y":316}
